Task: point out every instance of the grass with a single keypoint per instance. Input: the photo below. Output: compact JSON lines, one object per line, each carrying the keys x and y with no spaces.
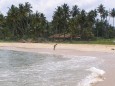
{"x":98,"y":41}
{"x":7,"y":41}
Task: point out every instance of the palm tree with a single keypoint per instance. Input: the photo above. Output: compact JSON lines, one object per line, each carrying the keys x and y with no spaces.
{"x":75,"y":11}
{"x":101,"y":10}
{"x":1,"y":20}
{"x":82,"y":18}
{"x":24,"y":12}
{"x":57,"y":20}
{"x":105,"y":15}
{"x":91,"y":16}
{"x":28,"y":11}
{"x":73,"y":23}
{"x":43,"y":24}
{"x":113,"y":14}
{"x":27,"y":8}
{"x":12,"y":19}
{"x":21,"y":22}
{"x":66,"y":14}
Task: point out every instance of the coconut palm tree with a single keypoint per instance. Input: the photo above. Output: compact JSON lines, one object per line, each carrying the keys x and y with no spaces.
{"x":27,"y":8}
{"x":101,"y":10}
{"x":24,"y":12}
{"x":12,"y":19}
{"x":57,"y":21}
{"x":91,"y":16}
{"x":1,"y":20}
{"x":112,"y":13}
{"x":73,"y":24}
{"x":75,"y":11}
{"x":105,"y":15}
{"x":66,"y":15}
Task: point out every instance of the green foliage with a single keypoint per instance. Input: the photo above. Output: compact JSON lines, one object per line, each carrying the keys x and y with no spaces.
{"x":22,"y":23}
{"x":112,"y":13}
{"x":87,"y":34}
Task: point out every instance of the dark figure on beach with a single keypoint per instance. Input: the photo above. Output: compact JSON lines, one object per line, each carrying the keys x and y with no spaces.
{"x":112,"y":49}
{"x":55,"y":46}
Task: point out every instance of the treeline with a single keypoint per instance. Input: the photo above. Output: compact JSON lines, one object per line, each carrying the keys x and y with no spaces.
{"x":22,"y":23}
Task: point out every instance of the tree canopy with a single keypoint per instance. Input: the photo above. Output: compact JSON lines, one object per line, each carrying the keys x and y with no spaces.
{"x":22,"y":23}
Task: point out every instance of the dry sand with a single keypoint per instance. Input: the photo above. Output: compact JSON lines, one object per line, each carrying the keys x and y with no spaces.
{"x":79,"y":47}
{"x":105,"y":52}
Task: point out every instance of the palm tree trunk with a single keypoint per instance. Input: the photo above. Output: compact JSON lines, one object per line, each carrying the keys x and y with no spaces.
{"x":97,"y":33}
{"x":113,"y":21}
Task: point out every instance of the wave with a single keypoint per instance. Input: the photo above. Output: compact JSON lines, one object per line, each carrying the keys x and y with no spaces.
{"x":95,"y":76}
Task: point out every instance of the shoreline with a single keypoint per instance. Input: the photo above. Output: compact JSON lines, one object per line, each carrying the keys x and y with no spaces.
{"x":100,"y":51}
{"x":79,"y":47}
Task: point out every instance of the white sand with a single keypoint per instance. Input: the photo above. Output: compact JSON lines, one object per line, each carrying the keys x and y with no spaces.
{"x":79,"y":47}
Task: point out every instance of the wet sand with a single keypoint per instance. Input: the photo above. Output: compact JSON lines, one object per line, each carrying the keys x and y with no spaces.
{"x":105,"y":52}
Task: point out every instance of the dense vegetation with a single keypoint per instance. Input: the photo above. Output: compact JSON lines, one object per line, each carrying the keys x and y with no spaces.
{"x":75,"y":23}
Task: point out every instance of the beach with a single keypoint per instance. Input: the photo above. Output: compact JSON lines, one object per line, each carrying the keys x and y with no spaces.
{"x":105,"y":52}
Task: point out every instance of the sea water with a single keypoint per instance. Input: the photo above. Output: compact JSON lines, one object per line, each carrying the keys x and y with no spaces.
{"x":30,"y":69}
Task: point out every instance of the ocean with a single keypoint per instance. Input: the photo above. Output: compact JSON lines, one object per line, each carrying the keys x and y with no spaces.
{"x":43,"y":69}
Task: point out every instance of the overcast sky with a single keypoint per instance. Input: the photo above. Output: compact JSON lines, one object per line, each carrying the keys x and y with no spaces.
{"x":48,"y":6}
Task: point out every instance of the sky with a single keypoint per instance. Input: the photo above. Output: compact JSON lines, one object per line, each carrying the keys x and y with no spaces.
{"x":48,"y":6}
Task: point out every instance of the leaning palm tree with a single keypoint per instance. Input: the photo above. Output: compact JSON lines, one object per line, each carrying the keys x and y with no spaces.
{"x":112,"y":13}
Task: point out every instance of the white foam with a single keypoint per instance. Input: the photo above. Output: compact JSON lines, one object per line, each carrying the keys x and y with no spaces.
{"x":94,"y":77}
{"x":6,"y":73}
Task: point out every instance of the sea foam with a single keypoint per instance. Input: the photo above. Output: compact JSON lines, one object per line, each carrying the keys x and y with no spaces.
{"x":95,"y":76}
